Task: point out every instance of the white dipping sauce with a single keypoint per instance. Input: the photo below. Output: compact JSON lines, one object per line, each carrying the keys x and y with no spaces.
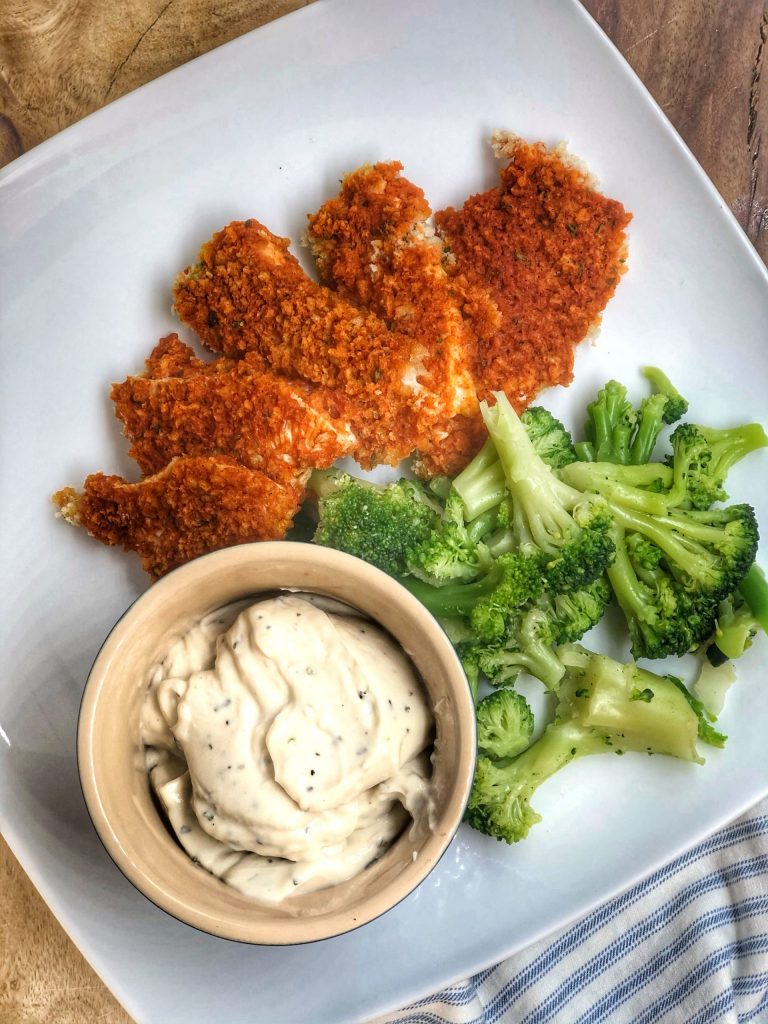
{"x":287,"y":745}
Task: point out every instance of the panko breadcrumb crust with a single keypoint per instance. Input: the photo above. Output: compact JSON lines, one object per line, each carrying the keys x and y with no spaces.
{"x":551,"y":249}
{"x":247,"y":293}
{"x":388,"y":357}
{"x":374,"y":245}
{"x":192,"y":506}
{"x":282,"y":427}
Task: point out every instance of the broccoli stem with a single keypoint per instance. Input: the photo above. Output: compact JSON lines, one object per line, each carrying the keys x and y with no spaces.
{"x":481,"y":484}
{"x":559,"y":744}
{"x":623,"y":484}
{"x":676,"y":406}
{"x":754,"y":590}
{"x":454,"y":598}
{"x":733,"y":635}
{"x":631,"y":593}
{"x":585,"y":451}
{"x":539,"y":496}
{"x":685,"y":554}
{"x":478,"y":527}
{"x":501,"y":542}
{"x":648,"y":430}
{"x":731,"y":444}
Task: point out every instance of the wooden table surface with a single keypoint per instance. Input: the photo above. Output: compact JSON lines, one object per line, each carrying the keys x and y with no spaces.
{"x":61,"y":59}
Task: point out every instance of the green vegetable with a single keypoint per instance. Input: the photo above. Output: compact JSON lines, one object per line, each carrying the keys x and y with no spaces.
{"x":595,"y":715}
{"x":703,"y":456}
{"x":618,"y":433}
{"x":481,"y":484}
{"x":611,"y":425}
{"x":380,"y":524}
{"x":737,"y":624}
{"x":504,"y":723}
{"x":526,"y":647}
{"x":551,"y":441}
{"x":519,"y":556}
{"x":511,"y":581}
{"x":451,"y":550}
{"x":677,"y":406}
{"x":669,"y":583}
{"x":754,"y":588}
{"x":527,"y":644}
{"x":549,"y":518}
{"x":706,"y":732}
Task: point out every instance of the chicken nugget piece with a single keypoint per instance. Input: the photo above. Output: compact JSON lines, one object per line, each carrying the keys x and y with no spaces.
{"x":374,"y":244}
{"x":551,"y":249}
{"x":192,"y":506}
{"x":282,"y":427}
{"x":248,"y":294}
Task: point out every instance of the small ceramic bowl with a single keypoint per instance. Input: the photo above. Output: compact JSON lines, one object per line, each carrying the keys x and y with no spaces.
{"x":115,"y":783}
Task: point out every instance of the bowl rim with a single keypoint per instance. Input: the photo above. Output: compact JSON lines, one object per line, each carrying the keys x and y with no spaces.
{"x":307,"y":928}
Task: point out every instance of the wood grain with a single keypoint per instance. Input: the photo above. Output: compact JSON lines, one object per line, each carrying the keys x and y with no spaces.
{"x":43,"y":978}
{"x":702,"y":60}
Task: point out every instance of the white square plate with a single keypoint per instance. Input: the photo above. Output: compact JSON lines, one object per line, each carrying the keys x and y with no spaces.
{"x":96,"y":223}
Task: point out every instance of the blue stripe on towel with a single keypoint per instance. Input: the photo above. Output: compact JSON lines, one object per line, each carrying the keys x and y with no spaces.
{"x":698,"y":927}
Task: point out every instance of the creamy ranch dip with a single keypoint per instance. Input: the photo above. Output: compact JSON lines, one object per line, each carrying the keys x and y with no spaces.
{"x":288,"y":746}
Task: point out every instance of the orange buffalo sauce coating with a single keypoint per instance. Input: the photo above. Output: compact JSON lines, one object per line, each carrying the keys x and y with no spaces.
{"x":551,"y":250}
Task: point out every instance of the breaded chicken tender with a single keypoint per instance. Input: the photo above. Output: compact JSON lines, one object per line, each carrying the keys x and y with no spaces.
{"x":248,"y":293}
{"x":373,"y":243}
{"x":193,"y":506}
{"x":388,"y":357}
{"x":282,"y":427}
{"x":551,"y":249}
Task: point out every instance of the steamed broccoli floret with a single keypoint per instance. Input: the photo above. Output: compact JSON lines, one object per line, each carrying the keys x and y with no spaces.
{"x":572,"y":615}
{"x":620,"y":434}
{"x":676,"y":405}
{"x":548,"y":516}
{"x":597,"y":713}
{"x":709,"y":552}
{"x":611,"y":424}
{"x":452,"y":550}
{"x":513,"y":581}
{"x":551,"y":441}
{"x":527,"y":646}
{"x":380,"y":524}
{"x":530,"y":636}
{"x":692,"y":476}
{"x":504,"y":723}
{"x":737,"y":623}
{"x":669,"y":583}
{"x":703,"y":456}
{"x":481,"y":484}
{"x":661,"y":618}
{"x":645,"y":488}
{"x":650,"y":423}
{"x":673,"y":565}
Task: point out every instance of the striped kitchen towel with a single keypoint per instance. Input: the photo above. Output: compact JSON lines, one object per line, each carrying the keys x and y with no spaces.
{"x":688,"y":945}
